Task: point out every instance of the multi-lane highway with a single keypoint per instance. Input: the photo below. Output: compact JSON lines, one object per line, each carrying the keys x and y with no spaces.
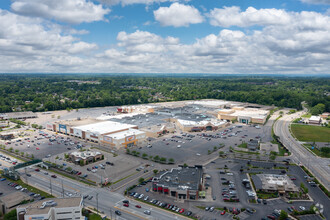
{"x":317,"y":165}
{"x":106,"y":201}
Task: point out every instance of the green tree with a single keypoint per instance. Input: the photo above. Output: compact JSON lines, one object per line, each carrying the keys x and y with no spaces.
{"x":81,"y":162}
{"x":155,"y":172}
{"x":283,"y":215}
{"x":163,"y":160}
{"x":12,"y":215}
{"x":144,"y":155}
{"x":317,"y":109}
{"x":156,"y":158}
{"x":171,"y":161}
{"x":185,"y":165}
{"x":141,"y":180}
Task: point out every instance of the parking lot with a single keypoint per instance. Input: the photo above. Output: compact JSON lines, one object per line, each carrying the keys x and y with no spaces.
{"x":189,"y":147}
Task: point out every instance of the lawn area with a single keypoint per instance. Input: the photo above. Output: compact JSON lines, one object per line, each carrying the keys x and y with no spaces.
{"x":311,"y":133}
{"x":266,"y":195}
{"x":243,"y":145}
{"x":308,"y":115}
{"x":317,"y":151}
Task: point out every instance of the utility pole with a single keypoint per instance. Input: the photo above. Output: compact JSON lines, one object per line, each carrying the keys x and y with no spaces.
{"x":50,"y":186}
{"x":97,"y":203}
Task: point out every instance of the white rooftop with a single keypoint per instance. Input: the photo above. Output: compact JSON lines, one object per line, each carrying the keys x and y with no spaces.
{"x":200,"y":123}
{"x":249,"y":112}
{"x":123,"y":134}
{"x":85,"y":154}
{"x":315,"y":118}
{"x":209,"y":103}
{"x":105,"y":127}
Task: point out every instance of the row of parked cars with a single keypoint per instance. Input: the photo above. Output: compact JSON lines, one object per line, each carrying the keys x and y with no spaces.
{"x":22,"y":189}
{"x":161,"y":204}
{"x":276,"y":213}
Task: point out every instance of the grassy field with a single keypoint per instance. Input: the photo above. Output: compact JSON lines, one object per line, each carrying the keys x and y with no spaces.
{"x":311,"y":133}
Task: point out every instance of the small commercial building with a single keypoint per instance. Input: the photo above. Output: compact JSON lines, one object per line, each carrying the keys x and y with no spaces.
{"x":244,"y":115}
{"x":85,"y":157}
{"x":56,"y":208}
{"x":274,"y":183}
{"x":314,"y":120}
{"x":197,"y":126}
{"x":181,"y":183}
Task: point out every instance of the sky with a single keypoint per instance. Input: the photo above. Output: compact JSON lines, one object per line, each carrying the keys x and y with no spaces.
{"x":165,"y":36}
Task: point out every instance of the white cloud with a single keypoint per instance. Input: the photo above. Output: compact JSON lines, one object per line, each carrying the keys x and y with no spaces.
{"x":131,"y":2}
{"x":297,"y":44}
{"x":178,"y":15}
{"x":29,"y":44}
{"x":233,"y":16}
{"x":324,"y":2}
{"x":73,"y":11}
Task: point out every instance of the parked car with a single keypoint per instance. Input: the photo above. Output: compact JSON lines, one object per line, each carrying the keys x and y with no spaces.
{"x":54,"y":176}
{"x":118,"y":212}
{"x":126,"y":205}
{"x":138,"y":206}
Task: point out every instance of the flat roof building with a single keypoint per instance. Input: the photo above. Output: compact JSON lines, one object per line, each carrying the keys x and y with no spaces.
{"x":85,"y":156}
{"x":182,"y":182}
{"x":244,"y":115}
{"x":314,"y":120}
{"x":205,"y":125}
{"x":274,"y":183}
{"x":19,"y":115}
{"x":125,"y":138}
{"x":55,"y":208}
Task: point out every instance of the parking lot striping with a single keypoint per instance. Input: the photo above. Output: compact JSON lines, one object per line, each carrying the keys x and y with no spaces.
{"x":127,"y":211}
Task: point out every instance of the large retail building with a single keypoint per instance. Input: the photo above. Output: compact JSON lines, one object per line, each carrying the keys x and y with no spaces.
{"x":244,"y":115}
{"x":111,"y":133}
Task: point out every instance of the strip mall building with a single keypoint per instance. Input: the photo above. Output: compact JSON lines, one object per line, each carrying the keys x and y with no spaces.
{"x":110,"y":133}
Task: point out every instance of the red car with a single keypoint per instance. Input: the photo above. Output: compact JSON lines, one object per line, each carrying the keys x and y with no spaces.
{"x":271,"y":217}
{"x":223,"y":212}
{"x":181,"y":211}
{"x":37,"y":170}
{"x":37,"y":148}
{"x":126,"y":204}
{"x":138,"y":206}
{"x":54,"y":176}
{"x":79,"y":173}
{"x":293,"y":178}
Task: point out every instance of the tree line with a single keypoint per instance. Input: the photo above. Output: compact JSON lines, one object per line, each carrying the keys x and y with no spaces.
{"x":23,"y":92}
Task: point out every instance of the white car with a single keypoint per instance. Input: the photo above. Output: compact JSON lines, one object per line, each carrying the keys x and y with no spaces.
{"x":178,"y":146}
{"x":230,"y":174}
{"x":302,"y":208}
{"x":198,"y":154}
